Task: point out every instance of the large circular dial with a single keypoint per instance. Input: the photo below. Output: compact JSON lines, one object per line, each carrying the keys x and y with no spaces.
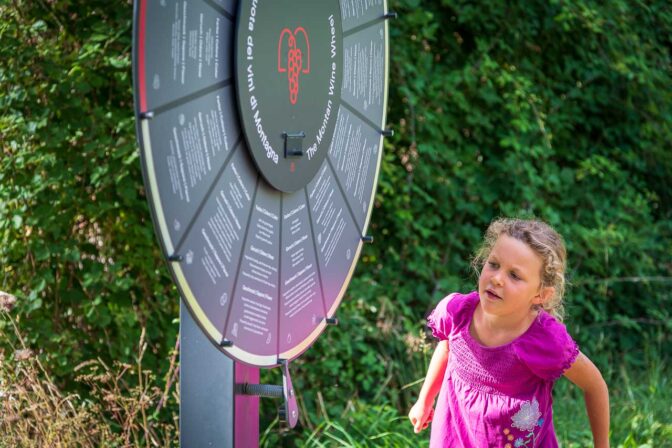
{"x":259,"y":125}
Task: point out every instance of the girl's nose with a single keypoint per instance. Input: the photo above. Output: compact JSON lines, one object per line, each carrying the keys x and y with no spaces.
{"x":496,"y":280}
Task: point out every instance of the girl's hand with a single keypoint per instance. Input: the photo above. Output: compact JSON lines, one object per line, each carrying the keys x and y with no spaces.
{"x":422,"y":411}
{"x":420,"y":415}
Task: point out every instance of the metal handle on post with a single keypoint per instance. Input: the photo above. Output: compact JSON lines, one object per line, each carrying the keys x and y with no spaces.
{"x":289,"y":410}
{"x":262,"y":390}
{"x":289,"y":413}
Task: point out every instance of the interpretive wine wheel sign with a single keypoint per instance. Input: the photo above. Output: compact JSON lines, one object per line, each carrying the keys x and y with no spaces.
{"x":260,"y":125}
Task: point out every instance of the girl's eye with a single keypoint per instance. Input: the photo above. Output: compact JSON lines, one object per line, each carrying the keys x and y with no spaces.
{"x":493,"y":265}
{"x":515,"y":276}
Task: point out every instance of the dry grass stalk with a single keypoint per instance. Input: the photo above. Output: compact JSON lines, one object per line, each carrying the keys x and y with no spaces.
{"x":123,"y":410}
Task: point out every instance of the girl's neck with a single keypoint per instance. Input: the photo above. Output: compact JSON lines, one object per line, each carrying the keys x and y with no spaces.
{"x":492,"y":330}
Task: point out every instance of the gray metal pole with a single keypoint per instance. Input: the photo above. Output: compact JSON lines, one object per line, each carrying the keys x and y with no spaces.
{"x":208,"y":403}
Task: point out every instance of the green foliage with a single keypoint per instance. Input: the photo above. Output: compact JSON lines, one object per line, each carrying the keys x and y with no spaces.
{"x":560,"y":110}
{"x":640,"y":412}
{"x":640,"y":418}
{"x":362,"y":426}
{"x":557,"y":109}
{"x":76,"y":237}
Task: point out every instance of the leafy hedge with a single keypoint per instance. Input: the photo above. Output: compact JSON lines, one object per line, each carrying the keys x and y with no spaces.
{"x":77,"y":245}
{"x":561,"y":110}
{"x":557,"y":109}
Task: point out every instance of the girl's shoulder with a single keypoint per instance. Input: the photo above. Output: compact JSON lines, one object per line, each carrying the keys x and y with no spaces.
{"x":451,"y":314}
{"x":547,"y":348}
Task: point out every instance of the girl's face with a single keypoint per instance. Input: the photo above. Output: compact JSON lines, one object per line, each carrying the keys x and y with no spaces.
{"x":510,"y":281}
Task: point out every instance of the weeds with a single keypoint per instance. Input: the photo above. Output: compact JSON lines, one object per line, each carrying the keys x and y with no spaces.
{"x":128,"y":406}
{"x":125,"y":405}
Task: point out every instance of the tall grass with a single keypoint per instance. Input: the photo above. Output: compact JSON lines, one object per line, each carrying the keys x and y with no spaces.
{"x":128,"y":406}
{"x":641,"y":417}
{"x":125,"y":406}
{"x":641,"y":409}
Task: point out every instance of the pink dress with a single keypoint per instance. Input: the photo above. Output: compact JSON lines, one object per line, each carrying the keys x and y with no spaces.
{"x":497,"y":396}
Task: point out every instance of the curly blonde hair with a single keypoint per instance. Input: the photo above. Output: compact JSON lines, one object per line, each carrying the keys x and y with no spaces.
{"x":545,"y":242}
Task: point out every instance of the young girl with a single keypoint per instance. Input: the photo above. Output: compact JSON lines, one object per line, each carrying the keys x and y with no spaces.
{"x":503,"y":347}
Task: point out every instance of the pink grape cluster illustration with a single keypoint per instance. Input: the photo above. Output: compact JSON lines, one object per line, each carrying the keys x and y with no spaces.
{"x":295,"y":59}
{"x":294,"y":63}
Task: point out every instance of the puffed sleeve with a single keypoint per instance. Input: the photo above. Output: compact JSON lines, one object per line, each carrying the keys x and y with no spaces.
{"x":547,"y":349}
{"x":449,"y":315}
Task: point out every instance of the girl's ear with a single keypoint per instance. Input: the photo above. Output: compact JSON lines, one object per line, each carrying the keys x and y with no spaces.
{"x":545,"y":294}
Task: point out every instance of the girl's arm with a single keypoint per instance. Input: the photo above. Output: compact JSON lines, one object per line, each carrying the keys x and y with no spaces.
{"x":421,"y":412}
{"x":584,"y":374}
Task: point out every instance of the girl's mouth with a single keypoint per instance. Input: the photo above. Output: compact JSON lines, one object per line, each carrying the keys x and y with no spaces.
{"x":491,"y":295}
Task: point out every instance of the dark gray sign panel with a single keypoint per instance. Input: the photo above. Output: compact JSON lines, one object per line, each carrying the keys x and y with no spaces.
{"x":302,"y":310}
{"x":360,"y":12}
{"x":190,"y":145}
{"x":337,"y":237}
{"x":355,"y":155}
{"x":187,"y":48}
{"x":253,"y":320}
{"x":212,"y":249}
{"x":261,"y":252}
{"x":228,"y":5}
{"x":289,"y":67}
{"x":365,"y":73}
